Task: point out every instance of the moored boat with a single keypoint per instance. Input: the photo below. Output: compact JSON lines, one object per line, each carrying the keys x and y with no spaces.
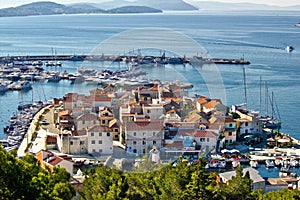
{"x":269,"y":164}
{"x":253,"y":163}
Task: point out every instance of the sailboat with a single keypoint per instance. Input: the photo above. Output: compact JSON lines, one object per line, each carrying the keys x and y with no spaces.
{"x":270,"y":122}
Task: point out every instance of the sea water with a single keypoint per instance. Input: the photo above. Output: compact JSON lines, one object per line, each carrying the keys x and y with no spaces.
{"x":257,"y":37}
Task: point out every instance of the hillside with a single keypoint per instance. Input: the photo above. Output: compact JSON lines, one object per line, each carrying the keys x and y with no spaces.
{"x":46,"y":8}
{"x":174,"y":5}
{"x":134,"y":9}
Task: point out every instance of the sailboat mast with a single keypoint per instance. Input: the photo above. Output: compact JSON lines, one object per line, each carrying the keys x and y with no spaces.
{"x":260,"y":95}
{"x":272,"y":104}
{"x":245,"y":86}
{"x":266,"y":99}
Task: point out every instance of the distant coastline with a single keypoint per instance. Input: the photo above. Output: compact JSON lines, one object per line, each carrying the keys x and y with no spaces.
{"x":51,"y":8}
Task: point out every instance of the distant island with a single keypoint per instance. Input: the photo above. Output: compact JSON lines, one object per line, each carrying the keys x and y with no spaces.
{"x":52,"y":8}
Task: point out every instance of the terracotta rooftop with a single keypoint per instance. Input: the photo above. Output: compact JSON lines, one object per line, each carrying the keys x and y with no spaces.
{"x":202,"y":101}
{"x":193,"y":118}
{"x":175,"y":144}
{"x":51,"y":139}
{"x":64,"y":112}
{"x":206,"y":134}
{"x":144,"y":126}
{"x":87,"y":117}
{"x":98,"y":128}
{"x":79,"y":132}
{"x":229,"y":120}
{"x":211,"y":104}
{"x":54,"y":160}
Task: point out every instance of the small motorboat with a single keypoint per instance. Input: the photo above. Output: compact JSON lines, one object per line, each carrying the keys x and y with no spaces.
{"x":270,"y":164}
{"x":278,"y":162}
{"x":222,"y":164}
{"x":253,"y":163}
{"x":294,"y":163}
{"x":289,"y":48}
{"x":235,"y":162}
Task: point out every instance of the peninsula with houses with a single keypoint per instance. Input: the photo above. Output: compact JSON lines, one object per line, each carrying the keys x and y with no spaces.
{"x":117,"y":126}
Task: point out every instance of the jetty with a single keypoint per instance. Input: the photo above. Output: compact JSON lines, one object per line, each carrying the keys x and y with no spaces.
{"x":167,"y":60}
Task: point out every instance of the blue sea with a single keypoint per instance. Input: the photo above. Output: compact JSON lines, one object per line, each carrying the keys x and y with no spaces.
{"x":258,"y":37}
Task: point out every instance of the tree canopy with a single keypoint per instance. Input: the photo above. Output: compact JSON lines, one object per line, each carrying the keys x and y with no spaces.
{"x":25,"y":179}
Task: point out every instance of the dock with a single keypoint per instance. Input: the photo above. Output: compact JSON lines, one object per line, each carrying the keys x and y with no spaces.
{"x":32,"y":58}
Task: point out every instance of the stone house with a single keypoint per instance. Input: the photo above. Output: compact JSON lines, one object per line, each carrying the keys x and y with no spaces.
{"x":141,"y":136}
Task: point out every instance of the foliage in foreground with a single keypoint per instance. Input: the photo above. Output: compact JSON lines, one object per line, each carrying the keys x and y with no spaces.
{"x":24,"y":179}
{"x":183,"y":182}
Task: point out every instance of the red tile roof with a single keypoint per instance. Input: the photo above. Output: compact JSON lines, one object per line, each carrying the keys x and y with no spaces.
{"x":54,"y":160}
{"x":64,"y":112}
{"x":229,"y":120}
{"x":206,"y":134}
{"x":51,"y":139}
{"x":211,"y":104}
{"x":144,"y":126}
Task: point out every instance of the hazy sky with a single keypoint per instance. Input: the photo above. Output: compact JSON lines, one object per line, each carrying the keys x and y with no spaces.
{"x":11,"y":3}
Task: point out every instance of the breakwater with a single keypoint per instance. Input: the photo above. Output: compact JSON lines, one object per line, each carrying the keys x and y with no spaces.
{"x":165,"y":60}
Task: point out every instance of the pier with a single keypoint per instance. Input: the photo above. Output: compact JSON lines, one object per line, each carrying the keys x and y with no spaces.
{"x":168,"y":60}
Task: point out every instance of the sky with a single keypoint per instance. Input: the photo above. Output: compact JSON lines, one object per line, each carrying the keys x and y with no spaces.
{"x":12,"y":3}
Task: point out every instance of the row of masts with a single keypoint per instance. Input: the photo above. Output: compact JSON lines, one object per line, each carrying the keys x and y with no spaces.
{"x":268,"y":99}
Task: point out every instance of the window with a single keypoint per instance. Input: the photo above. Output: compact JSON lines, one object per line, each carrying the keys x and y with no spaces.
{"x":92,"y":134}
{"x":246,"y":124}
{"x":100,"y":142}
{"x":94,"y":150}
{"x":154,"y":142}
{"x":256,"y":130}
{"x":230,"y":133}
{"x":230,"y":125}
{"x":100,"y":134}
{"x":108,"y":134}
{"x":93,"y":141}
{"x":83,"y":122}
{"x":246,"y":131}
{"x":134,"y":142}
{"x":144,"y":141}
{"x":144,"y":134}
{"x":94,"y":122}
{"x":148,"y":111}
{"x":116,"y":130}
{"x":100,"y":150}
{"x":153,"y":133}
{"x":103,"y":121}
{"x":81,"y":142}
{"x":134,"y":133}
{"x":71,"y":142}
{"x":202,"y":139}
{"x":207,"y":139}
